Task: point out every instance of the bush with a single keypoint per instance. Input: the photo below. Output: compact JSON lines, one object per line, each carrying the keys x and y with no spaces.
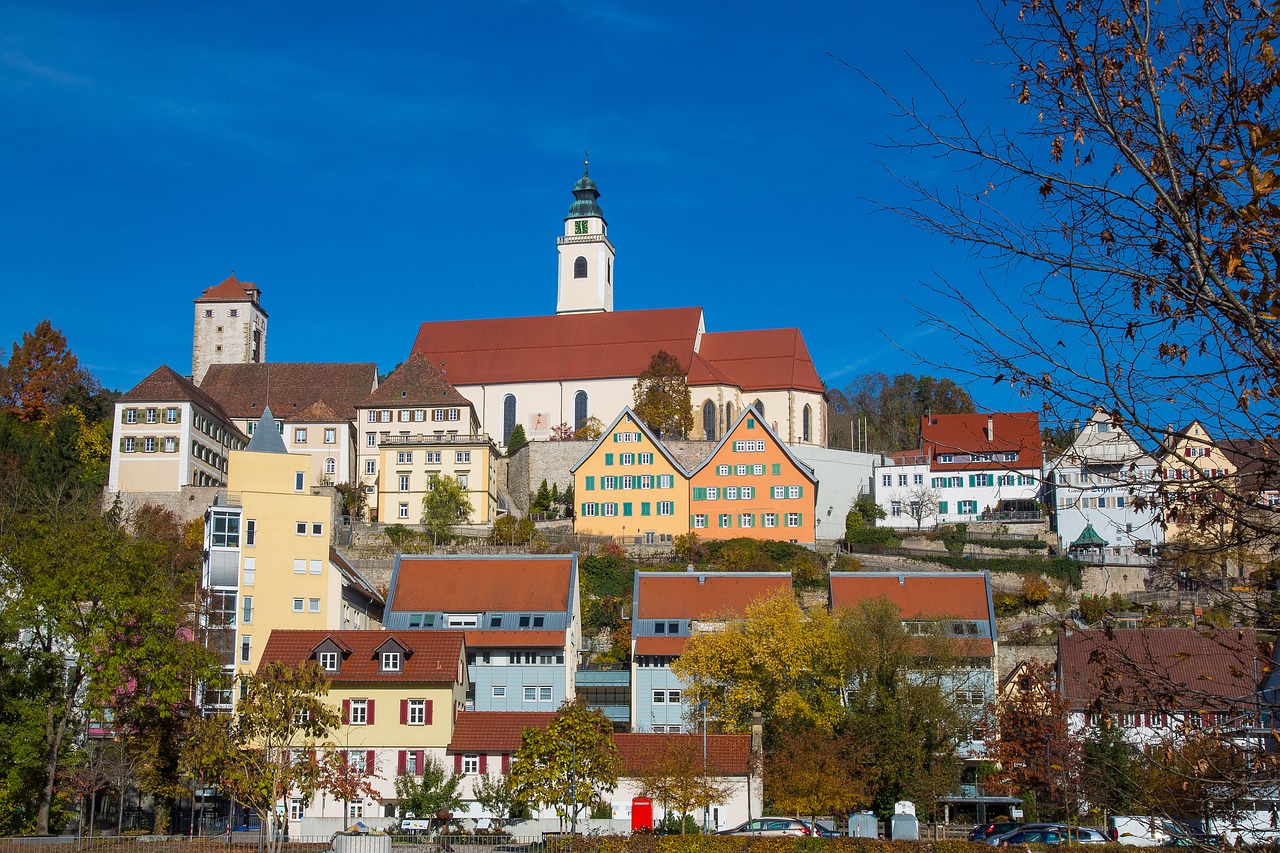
{"x":954,"y":537}
{"x":606,"y":575}
{"x":1034,"y":590}
{"x":510,"y":530}
{"x":847,"y":563}
{"x":874,"y":536}
{"x":1060,"y":568}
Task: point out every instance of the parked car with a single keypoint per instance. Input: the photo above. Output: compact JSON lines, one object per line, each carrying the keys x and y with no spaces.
{"x":983,"y":831}
{"x":1087,"y":835}
{"x":1051,"y":834}
{"x":820,"y":831}
{"x":763,"y":826}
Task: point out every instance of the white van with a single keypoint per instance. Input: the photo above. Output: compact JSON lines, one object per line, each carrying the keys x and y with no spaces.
{"x":1142,"y":830}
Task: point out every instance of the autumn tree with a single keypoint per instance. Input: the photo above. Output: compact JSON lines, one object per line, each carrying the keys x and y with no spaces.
{"x":676,"y":776}
{"x":346,"y":776}
{"x":43,"y":375}
{"x":496,"y":795}
{"x":570,"y":765}
{"x":436,"y":790}
{"x":445,"y":505}
{"x":812,"y":773}
{"x":662,"y":399}
{"x":590,"y":430}
{"x":890,"y":408}
{"x":562,"y":432}
{"x":777,"y":659}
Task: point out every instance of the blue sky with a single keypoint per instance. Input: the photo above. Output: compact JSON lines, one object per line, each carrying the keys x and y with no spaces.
{"x":372,"y":167}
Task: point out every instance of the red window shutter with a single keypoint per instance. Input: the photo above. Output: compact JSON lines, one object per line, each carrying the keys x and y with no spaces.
{"x":346,"y":711}
{"x":419,"y":762}
{"x":369,"y":717}
{"x":427,"y":714}
{"x":370,"y":760}
{"x":506,"y":763}
{"x":404,"y":711}
{"x":403,"y":761}
{"x":484,"y":763}
{"x":457,"y":763}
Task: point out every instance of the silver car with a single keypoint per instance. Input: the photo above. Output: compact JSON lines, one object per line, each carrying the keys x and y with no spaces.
{"x":764,"y":826}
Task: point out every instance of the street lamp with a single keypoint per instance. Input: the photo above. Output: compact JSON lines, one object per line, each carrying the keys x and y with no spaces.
{"x":706,"y":809}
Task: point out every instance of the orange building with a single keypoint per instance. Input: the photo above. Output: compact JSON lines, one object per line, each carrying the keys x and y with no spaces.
{"x":752,"y":486}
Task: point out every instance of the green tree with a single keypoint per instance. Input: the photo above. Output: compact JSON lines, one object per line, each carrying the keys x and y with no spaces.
{"x":509,"y":530}
{"x":899,"y":705}
{"x":1111,"y":772}
{"x":516,"y":440}
{"x":590,"y":430}
{"x":42,"y":375}
{"x":541,"y":499}
{"x":676,"y":777}
{"x":353,"y":497}
{"x":890,"y":408}
{"x":777,"y":660}
{"x":445,"y":505}
{"x":283,"y":711}
{"x":662,"y":398}
{"x":495,"y":795}
{"x":437,"y":791}
{"x":570,"y":765}
{"x":813,"y":773}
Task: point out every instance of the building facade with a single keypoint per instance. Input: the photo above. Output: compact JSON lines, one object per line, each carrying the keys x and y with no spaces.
{"x":230,"y":327}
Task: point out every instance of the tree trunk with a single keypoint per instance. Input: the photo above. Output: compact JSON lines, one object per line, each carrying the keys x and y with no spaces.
{"x":55,"y":732}
{"x":120,"y":810}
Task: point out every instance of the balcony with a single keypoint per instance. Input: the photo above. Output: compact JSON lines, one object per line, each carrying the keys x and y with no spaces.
{"x":444,"y":438}
{"x":566,"y":239}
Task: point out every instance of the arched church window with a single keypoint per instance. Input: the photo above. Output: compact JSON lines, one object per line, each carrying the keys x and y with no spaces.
{"x":759,"y":407}
{"x":709,"y":420}
{"x":728,"y":416}
{"x":579,"y":410}
{"x":806,"y":423}
{"x":580,"y":267}
{"x":508,"y":417}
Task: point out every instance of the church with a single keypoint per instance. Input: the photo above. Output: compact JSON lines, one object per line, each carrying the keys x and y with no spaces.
{"x":583,"y":361}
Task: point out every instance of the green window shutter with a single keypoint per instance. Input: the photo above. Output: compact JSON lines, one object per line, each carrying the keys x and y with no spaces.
{"x":942,"y":507}
{"x":591,"y":484}
{"x":802,"y":518}
{"x":699,"y":493}
{"x":751,"y":423}
{"x":615,"y":437}
{"x":801,"y":491}
{"x":777,"y":469}
{"x":644,"y":508}
{"x":626,"y":509}
{"x":608,"y":459}
{"x":971,"y":481}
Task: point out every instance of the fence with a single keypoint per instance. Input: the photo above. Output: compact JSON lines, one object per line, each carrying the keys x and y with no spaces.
{"x":254,"y":842}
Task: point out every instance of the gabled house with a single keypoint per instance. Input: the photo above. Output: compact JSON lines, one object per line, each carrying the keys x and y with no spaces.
{"x":169,"y":434}
{"x":520,"y":614}
{"x":1150,"y":683}
{"x":414,"y":429}
{"x":667,"y":608}
{"x":630,"y":487}
{"x":968,"y":467}
{"x":483,"y":744}
{"x":753,"y":486}
{"x":1107,"y":481}
{"x":399,"y":693}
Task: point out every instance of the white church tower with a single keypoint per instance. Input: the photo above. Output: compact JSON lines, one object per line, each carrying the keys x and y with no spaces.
{"x":230,"y":327}
{"x":585,"y":283}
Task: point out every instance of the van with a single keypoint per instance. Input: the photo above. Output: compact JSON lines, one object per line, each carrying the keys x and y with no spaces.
{"x":1141,"y":830}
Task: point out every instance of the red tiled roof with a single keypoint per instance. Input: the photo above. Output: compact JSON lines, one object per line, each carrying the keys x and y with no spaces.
{"x":661,"y":645}
{"x":563,"y":346}
{"x":230,"y":289}
{"x":762,"y":360}
{"x":435,"y":654}
{"x":165,"y":385}
{"x":495,"y":731}
{"x":1012,"y":431}
{"x":1257,"y":462}
{"x":417,"y":382}
{"x":294,"y":387}
{"x":927,"y":595}
{"x":727,"y":755}
{"x":478,"y":584}
{"x":1160,"y":668}
{"x":317,"y":413}
{"x":702,"y":595}
{"x":511,"y":639}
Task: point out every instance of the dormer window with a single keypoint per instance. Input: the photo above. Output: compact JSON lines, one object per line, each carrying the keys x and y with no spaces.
{"x":391,"y":661}
{"x":528,"y":620}
{"x":328,"y":661}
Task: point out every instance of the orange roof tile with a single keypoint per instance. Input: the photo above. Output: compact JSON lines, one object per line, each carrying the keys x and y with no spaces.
{"x":703,"y":595}
{"x":230,"y":289}
{"x":471,"y":584}
{"x":762,"y":360}
{"x":928,"y":595}
{"x":563,"y":346}
{"x":1012,"y":431}
{"x":661,"y":645}
{"x":727,"y":755}
{"x":495,"y":731}
{"x":434,"y":655}
{"x":514,"y":639}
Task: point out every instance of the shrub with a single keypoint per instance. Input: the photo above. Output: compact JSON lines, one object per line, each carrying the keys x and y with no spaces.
{"x":1034,"y":590}
{"x":510,"y":530}
{"x":874,"y":536}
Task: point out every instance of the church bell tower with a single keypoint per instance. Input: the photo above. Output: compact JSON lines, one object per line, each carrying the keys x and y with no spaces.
{"x":585,"y":282}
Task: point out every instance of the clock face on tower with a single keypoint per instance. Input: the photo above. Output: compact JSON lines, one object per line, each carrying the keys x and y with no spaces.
{"x":580,"y":227}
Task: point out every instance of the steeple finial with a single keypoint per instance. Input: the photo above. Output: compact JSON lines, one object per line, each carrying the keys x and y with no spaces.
{"x":586,"y":162}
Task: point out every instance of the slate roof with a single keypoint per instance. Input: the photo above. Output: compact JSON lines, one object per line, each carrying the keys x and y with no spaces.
{"x":928,"y":595}
{"x":435,"y":655}
{"x":416,"y":382}
{"x":967,"y":433}
{"x":484,"y":583}
{"x":762,"y":360}
{"x":1159,"y":668}
{"x":353,"y":576}
{"x":166,"y":385}
{"x":294,"y":386}
{"x":494,"y":731}
{"x":266,"y":435}
{"x":703,"y":595}
{"x":727,"y":755}
{"x":231,"y":289}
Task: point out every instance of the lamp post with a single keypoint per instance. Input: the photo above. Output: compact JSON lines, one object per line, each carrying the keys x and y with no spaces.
{"x":706,"y":809}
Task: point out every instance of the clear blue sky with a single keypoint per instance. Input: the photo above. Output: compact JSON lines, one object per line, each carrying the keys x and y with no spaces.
{"x":372,"y":166}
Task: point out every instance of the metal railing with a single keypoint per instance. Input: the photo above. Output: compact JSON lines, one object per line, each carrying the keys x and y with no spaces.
{"x":433,"y":438}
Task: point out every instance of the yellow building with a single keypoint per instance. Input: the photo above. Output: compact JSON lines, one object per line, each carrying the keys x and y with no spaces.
{"x":630,"y":487}
{"x":399,"y":693}
{"x":269,"y":564}
{"x":1195,"y":472}
{"x":416,"y":428}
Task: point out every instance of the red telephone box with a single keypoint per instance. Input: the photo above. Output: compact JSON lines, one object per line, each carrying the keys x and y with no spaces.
{"x":641,"y":814}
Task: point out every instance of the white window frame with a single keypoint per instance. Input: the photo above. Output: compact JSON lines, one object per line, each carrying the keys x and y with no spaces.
{"x":328,"y":661}
{"x":358,"y":714}
{"x":416,"y":714}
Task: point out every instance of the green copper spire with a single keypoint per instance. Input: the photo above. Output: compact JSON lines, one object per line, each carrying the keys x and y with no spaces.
{"x":585,"y":193}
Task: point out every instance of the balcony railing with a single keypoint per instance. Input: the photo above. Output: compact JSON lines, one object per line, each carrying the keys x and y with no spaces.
{"x":444,"y":438}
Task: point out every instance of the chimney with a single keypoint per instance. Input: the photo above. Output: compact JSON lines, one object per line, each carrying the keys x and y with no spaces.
{"x":991,"y":428}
